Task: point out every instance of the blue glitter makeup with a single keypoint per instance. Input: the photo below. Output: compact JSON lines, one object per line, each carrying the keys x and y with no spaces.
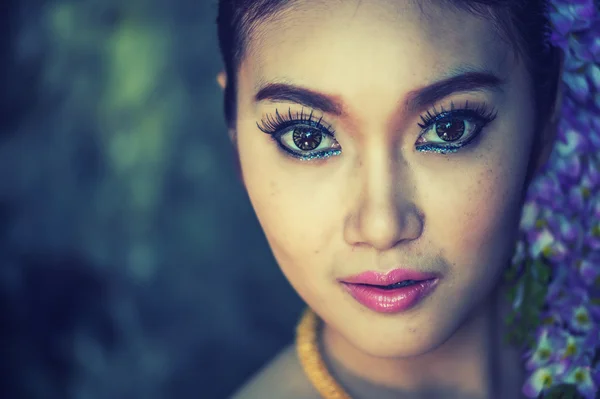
{"x":468,"y":121}
{"x":300,"y":136}
{"x":437,"y":149}
{"x":306,"y":134}
{"x":319,"y":155}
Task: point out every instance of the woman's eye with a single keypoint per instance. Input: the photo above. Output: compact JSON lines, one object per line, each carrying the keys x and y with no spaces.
{"x":306,"y":141}
{"x":449,"y":134}
{"x":301,"y":136}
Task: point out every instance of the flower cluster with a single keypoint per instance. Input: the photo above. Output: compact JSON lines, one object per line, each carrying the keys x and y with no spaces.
{"x":556,"y":267}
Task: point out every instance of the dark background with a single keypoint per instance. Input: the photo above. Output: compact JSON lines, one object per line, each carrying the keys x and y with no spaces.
{"x":131,"y":263}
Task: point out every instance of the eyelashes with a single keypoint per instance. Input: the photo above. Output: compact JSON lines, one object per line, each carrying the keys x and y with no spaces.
{"x":456,"y":128}
{"x":480,"y":109}
{"x":304,"y":137}
{"x":307,"y":134}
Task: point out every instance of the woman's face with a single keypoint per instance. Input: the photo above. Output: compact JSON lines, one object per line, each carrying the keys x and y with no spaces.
{"x":361,"y":179}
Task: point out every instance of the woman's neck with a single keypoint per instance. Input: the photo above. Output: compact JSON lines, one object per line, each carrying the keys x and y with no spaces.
{"x":474,"y":362}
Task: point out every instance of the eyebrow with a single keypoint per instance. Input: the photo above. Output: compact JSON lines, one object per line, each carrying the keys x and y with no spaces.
{"x":471,"y":80}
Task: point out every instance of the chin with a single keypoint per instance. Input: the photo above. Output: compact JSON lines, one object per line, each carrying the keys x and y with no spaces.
{"x":407,"y":346}
{"x":392,"y":337}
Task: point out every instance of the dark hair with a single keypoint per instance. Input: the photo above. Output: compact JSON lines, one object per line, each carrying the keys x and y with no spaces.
{"x":524,"y":23}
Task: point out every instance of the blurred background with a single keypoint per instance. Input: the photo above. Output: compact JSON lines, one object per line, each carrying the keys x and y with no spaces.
{"x":131,"y":263}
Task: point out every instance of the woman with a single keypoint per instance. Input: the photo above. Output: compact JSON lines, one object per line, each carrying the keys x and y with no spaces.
{"x":387,"y":148}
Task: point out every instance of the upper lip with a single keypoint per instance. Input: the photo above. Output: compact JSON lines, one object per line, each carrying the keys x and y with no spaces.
{"x":392,"y":277}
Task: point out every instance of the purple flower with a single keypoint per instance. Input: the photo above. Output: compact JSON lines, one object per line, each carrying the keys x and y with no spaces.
{"x":593,"y":72}
{"x":589,"y":269}
{"x":565,"y":298}
{"x":594,"y":207}
{"x":541,"y":242}
{"x":565,"y":229}
{"x":572,"y":62}
{"x":580,"y":13}
{"x":582,"y":46}
{"x":548,"y":233}
{"x":546,"y":349}
{"x":595,"y":374}
{"x":570,"y":141}
{"x":582,"y":378}
{"x":578,"y":84}
{"x":594,"y":41}
{"x":592,"y":339}
{"x":551,"y":318}
{"x":572,"y":347}
{"x":592,"y":238}
{"x":544,"y":378}
{"x":594,"y":309}
{"x":578,"y":294}
{"x":586,"y":122}
{"x":569,"y":16}
{"x":561,"y":22}
{"x":564,"y":302}
{"x":578,"y":350}
{"x":546,"y":190}
{"x":568,"y":169}
{"x":556,"y":289}
{"x":581,"y":319}
{"x":560,"y":221}
{"x":558,"y":39}
{"x":529,"y":215}
{"x":591,"y":177}
{"x":576,"y":200}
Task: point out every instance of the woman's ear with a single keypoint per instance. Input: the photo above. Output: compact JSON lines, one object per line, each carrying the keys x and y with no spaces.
{"x":222,"y":79}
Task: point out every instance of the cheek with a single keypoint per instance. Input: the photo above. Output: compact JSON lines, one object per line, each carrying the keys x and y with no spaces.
{"x":476,"y":226}
{"x":489,"y":214}
{"x":295,"y":210}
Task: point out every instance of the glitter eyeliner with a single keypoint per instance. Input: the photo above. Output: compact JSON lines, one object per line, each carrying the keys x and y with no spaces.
{"x":277,"y":126}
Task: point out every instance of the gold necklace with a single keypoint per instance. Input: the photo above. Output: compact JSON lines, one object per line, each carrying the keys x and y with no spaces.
{"x":310,"y":358}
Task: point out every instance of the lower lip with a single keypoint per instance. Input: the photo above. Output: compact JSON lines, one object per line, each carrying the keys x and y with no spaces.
{"x":391,"y":301}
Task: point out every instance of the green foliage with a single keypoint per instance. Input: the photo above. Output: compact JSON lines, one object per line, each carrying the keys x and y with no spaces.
{"x":532,"y":287}
{"x":563,"y":391}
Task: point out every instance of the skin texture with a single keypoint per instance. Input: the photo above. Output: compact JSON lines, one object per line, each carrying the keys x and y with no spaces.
{"x":381,"y":204}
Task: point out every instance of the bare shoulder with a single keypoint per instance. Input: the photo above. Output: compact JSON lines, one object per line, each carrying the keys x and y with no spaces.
{"x":282,"y":377}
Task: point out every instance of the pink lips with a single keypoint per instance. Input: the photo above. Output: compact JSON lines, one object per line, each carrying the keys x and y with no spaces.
{"x":363,"y":288}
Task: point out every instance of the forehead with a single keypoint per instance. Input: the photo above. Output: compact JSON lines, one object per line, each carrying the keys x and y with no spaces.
{"x":356,"y":48}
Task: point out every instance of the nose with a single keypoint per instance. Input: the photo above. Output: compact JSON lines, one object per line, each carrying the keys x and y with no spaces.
{"x":384,"y":213}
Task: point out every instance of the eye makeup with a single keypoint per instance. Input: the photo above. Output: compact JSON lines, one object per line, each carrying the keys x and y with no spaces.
{"x":467,"y":121}
{"x":306,"y":133}
{"x":306,"y":138}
